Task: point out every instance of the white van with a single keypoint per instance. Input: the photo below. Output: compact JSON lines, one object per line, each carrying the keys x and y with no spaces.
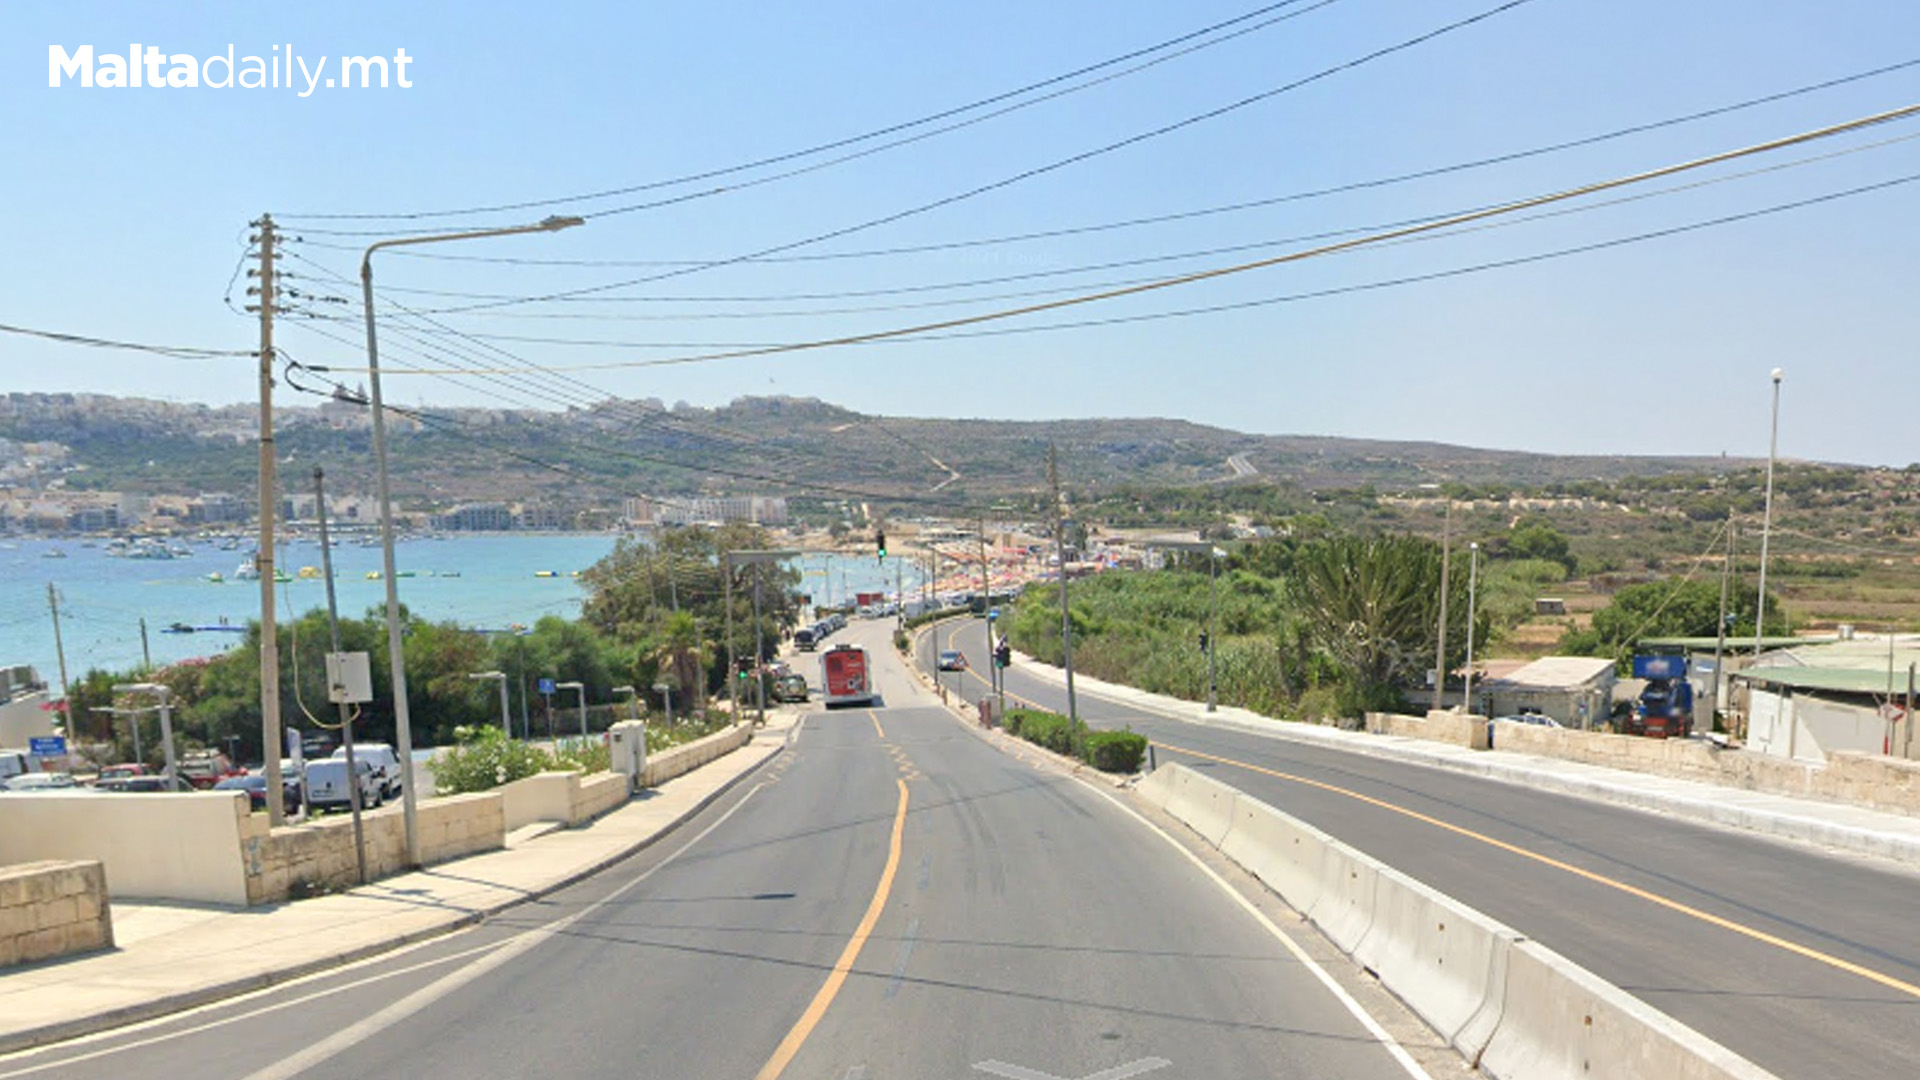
{"x":386,"y":765}
{"x":327,"y":784}
{"x":14,"y":763}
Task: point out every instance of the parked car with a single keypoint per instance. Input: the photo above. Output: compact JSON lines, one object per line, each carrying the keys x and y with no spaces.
{"x":14,"y":763}
{"x":206,"y":768}
{"x":952,"y":660}
{"x":386,"y":765}
{"x":790,"y":687}
{"x":255,"y":785}
{"x":40,"y":781}
{"x":146,"y":782}
{"x":122,"y":771}
{"x":327,"y":785}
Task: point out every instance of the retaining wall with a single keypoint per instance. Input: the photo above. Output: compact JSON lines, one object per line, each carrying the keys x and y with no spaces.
{"x":52,"y":908}
{"x":566,"y":797}
{"x":1518,"y":1010}
{"x":1452,"y":728}
{"x":668,"y":764}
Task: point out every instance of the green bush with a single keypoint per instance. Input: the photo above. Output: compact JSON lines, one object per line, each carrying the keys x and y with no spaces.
{"x":590,"y":755}
{"x":484,"y":758}
{"x":1115,"y":751}
{"x":1051,"y":730}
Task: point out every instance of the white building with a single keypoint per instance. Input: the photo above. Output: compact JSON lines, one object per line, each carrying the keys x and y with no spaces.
{"x":1575,"y":690}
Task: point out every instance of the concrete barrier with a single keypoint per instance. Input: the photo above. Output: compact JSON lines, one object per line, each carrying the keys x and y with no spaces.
{"x":1561,"y":1020}
{"x":598,"y":793}
{"x":1515,"y":1008}
{"x":544,"y":796}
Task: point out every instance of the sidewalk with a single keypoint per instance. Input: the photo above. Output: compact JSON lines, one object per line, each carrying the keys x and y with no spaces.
{"x":176,"y":958}
{"x":1808,"y":821}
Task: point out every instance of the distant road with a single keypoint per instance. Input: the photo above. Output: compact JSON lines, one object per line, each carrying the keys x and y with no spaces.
{"x":1242,"y":468}
{"x":1834,"y":994}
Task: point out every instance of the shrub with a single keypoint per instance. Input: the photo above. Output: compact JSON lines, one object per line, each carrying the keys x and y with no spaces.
{"x":1115,"y":751}
{"x":591,"y":755}
{"x":483,"y":759}
{"x":1051,"y":730}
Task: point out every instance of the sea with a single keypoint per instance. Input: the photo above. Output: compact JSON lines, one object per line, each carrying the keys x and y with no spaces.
{"x":489,"y":582}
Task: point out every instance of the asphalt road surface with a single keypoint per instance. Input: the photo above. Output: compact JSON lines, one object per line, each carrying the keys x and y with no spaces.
{"x":889,"y":899}
{"x":1807,"y":964}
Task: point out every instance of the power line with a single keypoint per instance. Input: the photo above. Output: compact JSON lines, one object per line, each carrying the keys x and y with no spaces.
{"x":183,"y":352}
{"x":1038,"y":170}
{"x":1050,"y":234}
{"x":878,"y":133}
{"x":1330,"y":249}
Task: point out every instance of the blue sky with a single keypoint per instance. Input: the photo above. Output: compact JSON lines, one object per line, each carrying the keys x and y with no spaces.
{"x":129,"y":211}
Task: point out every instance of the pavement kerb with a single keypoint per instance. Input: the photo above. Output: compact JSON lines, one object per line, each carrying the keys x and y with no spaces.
{"x":181,"y":1001}
{"x":1569,"y":778}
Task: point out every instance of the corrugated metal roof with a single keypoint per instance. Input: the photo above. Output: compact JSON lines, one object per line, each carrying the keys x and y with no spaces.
{"x":1734,"y":644}
{"x":1555,"y":672}
{"x":1839,"y":680}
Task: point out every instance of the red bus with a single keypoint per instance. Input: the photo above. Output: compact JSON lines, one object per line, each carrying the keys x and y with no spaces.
{"x":846,"y":674}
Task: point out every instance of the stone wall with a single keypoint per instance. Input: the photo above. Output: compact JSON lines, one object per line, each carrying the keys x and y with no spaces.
{"x":50,"y":909}
{"x":158,"y":846}
{"x":301,"y":860}
{"x":563,"y":796}
{"x":1452,"y":728}
{"x":598,"y":794}
{"x":668,"y":764}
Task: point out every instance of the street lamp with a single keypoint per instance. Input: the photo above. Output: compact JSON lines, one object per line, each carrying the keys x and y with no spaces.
{"x":133,"y":718}
{"x":1473,"y":579}
{"x":579,"y":689}
{"x":402,"y":722}
{"x":632,"y":696}
{"x":1766,"y":518}
{"x":165,"y":694}
{"x":506,"y":718}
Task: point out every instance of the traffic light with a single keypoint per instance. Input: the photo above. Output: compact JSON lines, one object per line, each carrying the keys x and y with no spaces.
{"x":880,"y":544}
{"x":745,"y":664}
{"x":1003,"y":656}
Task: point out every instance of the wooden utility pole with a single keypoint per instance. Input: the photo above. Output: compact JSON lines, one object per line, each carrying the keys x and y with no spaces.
{"x":59,"y":650}
{"x":270,"y":737}
{"x":1066,"y":618}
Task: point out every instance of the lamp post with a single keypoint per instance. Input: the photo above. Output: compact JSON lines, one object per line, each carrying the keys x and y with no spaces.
{"x":1473,"y":579}
{"x":165,"y":694}
{"x":506,"y":717}
{"x":1766,"y":517}
{"x":580,"y":691}
{"x":402,"y":722}
{"x":133,"y":721}
{"x":632,"y":696}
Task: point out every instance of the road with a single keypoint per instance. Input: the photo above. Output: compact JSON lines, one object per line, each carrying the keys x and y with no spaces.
{"x":1807,"y":964}
{"x":891,"y":898}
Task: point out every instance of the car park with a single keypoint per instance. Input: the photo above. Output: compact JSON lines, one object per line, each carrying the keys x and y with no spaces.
{"x":386,"y":765}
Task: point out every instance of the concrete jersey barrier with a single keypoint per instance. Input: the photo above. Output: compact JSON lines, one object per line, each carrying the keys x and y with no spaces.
{"x":1515,"y":1008}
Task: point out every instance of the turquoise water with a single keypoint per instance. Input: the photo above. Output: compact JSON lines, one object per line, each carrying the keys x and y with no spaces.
{"x":103,"y":598}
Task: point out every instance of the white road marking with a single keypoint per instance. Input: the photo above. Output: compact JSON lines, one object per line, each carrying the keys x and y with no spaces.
{"x":345,"y":1039}
{"x":1118,"y":1072}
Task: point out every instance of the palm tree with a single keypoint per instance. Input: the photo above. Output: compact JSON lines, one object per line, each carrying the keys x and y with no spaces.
{"x":680,"y":652}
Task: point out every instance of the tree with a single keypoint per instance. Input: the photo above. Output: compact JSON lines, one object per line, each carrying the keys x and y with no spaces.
{"x":1686,"y":608}
{"x":679,"y":652}
{"x":1535,"y":538}
{"x":1372,"y":602}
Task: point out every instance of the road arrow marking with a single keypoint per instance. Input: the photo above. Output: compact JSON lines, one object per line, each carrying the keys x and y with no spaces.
{"x":1118,"y":1072}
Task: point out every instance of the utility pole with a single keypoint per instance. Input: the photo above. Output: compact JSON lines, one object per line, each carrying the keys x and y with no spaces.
{"x":1440,"y":652}
{"x":346,"y":710}
{"x":1060,"y":553}
{"x":1720,"y":634}
{"x":146,"y":654}
{"x":270,"y":737}
{"x":1766,"y":518}
{"x":59,"y":649}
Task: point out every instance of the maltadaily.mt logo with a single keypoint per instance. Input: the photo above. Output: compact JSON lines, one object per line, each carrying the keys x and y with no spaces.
{"x":154,"y":68}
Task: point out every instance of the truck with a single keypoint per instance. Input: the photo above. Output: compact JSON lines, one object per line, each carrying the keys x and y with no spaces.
{"x":846,"y":676}
{"x":1665,"y":708}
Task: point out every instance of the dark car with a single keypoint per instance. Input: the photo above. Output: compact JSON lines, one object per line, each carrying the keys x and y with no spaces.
{"x":143,"y":782}
{"x":953,"y":661}
{"x":255,"y":785}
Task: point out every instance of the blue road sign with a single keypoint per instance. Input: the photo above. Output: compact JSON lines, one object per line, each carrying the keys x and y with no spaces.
{"x":546,"y":686}
{"x":52,"y":746}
